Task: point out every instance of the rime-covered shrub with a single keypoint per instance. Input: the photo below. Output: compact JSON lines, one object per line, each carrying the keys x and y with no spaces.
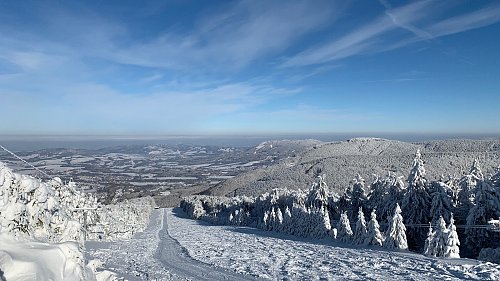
{"x":490,"y":255}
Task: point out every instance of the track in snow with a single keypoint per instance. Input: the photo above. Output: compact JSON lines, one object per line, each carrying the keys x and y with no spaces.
{"x":180,"y":264}
{"x":154,"y":255}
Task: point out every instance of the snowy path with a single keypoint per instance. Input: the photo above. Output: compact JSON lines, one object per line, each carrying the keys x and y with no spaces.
{"x":154,"y":255}
{"x":277,"y":256}
{"x":133,"y":259}
{"x":178,"y":262}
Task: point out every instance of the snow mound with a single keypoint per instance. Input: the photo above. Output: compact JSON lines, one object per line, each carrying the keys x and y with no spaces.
{"x":29,"y":260}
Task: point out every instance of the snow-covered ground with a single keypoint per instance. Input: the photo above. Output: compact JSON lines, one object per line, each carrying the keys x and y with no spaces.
{"x":276,"y":256}
{"x":154,"y":255}
{"x":132,"y":259}
{"x":174,"y":247}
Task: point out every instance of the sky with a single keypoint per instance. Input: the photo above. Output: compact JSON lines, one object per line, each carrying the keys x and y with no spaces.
{"x":249,"y":67}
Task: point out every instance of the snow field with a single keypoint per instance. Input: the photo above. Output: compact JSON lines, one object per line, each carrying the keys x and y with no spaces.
{"x":272,"y":255}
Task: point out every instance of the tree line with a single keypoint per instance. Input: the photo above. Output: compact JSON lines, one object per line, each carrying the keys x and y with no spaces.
{"x":447,"y":217}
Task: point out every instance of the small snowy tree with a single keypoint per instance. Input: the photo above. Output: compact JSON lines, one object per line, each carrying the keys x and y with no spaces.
{"x":441,"y":237}
{"x":452,"y":249}
{"x":360,"y":231}
{"x":429,"y":241}
{"x":436,"y":241}
{"x":373,"y":235}
{"x":344,"y":232}
{"x":396,"y":234}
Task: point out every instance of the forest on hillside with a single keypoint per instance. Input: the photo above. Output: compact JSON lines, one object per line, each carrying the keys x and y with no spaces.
{"x":446,"y":217}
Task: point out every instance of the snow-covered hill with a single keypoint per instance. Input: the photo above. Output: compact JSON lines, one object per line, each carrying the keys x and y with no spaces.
{"x":342,"y":161}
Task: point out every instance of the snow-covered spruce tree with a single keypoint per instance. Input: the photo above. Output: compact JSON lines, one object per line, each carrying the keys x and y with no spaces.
{"x":358,"y":198}
{"x":440,"y":238}
{"x":373,"y":235}
{"x":429,"y":242}
{"x":495,"y":179}
{"x":467,"y":191}
{"x":395,"y":191}
{"x":435,"y":244}
{"x":385,"y":194}
{"x":360,"y":231}
{"x":396,"y":233}
{"x":377,"y":194}
{"x":452,"y":249}
{"x":416,"y":203}
{"x":344,"y":232}
{"x":318,"y":194}
{"x":486,"y":207}
{"x":441,"y":204}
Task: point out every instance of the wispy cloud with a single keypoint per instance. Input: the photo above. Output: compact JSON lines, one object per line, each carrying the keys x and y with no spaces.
{"x":359,"y":40}
{"x":106,"y":110}
{"x":405,"y":24}
{"x":232,"y":38}
{"x":369,"y":38}
{"x":483,"y":17}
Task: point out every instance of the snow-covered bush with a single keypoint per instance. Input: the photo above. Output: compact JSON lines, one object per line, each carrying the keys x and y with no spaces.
{"x":121,"y":220}
{"x":30,"y":208}
{"x":490,"y":254}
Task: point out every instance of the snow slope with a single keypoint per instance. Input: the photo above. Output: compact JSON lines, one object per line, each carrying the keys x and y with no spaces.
{"x":277,"y":256}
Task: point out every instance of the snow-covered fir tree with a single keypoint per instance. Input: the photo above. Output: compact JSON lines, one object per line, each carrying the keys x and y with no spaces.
{"x":429,"y":241}
{"x":344,"y":231}
{"x":416,"y":202}
{"x":436,"y":240}
{"x":486,"y":207}
{"x":441,"y":204}
{"x":395,"y":191}
{"x":440,"y":238}
{"x":377,"y":194}
{"x":318,"y":194}
{"x":396,"y":233}
{"x":495,"y":179}
{"x":373,"y":235}
{"x":467,"y":188}
{"x":452,"y":249}
{"x":358,"y":197}
{"x":360,"y":231}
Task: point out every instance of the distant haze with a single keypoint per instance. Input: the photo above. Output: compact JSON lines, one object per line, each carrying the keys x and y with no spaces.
{"x":29,"y":143}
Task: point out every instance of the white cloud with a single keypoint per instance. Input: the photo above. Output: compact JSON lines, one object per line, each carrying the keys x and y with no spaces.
{"x":232,"y":38}
{"x":483,"y":17}
{"x":360,"y":40}
{"x":368,"y":38}
{"x":96,"y":108}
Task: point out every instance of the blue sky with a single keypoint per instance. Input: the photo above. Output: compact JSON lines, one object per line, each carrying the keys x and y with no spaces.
{"x":231,"y":67}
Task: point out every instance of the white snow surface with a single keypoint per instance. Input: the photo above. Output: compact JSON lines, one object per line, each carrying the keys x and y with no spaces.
{"x":271,"y":255}
{"x":30,"y":260}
